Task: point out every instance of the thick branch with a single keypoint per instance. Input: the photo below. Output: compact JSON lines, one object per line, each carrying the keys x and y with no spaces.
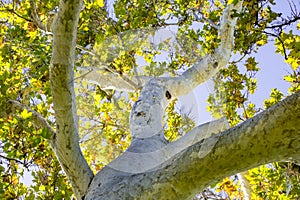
{"x":62,"y":74}
{"x":148,"y":154}
{"x":149,"y":149}
{"x":203,"y":69}
{"x":211,"y":63}
{"x":273,"y":135}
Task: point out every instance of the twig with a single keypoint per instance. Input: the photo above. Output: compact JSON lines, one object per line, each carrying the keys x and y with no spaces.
{"x":202,"y":18}
{"x":280,"y":40}
{"x":125,"y":78}
{"x":15,"y":13}
{"x":36,"y":18}
{"x":285,"y":23}
{"x":295,"y":16}
{"x":16,"y":160}
{"x":241,"y":58}
{"x":83,"y":75}
{"x":39,"y":120}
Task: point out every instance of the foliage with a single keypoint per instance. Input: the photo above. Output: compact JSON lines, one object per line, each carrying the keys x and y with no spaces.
{"x":25,"y":53}
{"x":177,"y":124}
{"x":24,"y":56}
{"x":235,"y":85}
{"x":275,"y":181}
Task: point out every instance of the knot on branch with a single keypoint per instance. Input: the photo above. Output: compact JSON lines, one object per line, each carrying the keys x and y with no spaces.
{"x":168,"y":95}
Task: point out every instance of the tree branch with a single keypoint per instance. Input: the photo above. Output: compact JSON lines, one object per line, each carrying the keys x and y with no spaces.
{"x":203,"y":19}
{"x":286,"y":22}
{"x":281,"y":42}
{"x":245,"y":184}
{"x":38,"y":120}
{"x":149,"y":153}
{"x":295,"y":16}
{"x":15,"y":13}
{"x":108,"y":80}
{"x":36,"y":18}
{"x":270,"y":136}
{"x":25,"y":164}
{"x":66,"y":144}
{"x":211,"y":63}
{"x":202,"y":71}
{"x":109,"y":69}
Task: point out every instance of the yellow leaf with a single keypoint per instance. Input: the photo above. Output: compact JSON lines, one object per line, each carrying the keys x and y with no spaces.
{"x":99,"y":3}
{"x":231,"y":2}
{"x":39,"y":107}
{"x":42,"y":188}
{"x":293,"y":62}
{"x":25,"y":114}
{"x":15,"y":182}
{"x":97,"y":98}
{"x":261,"y":42}
{"x":86,"y":28}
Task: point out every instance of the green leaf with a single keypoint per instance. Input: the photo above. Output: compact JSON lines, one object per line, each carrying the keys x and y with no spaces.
{"x":46,"y":133}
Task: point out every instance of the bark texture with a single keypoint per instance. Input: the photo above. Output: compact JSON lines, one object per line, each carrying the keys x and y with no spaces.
{"x":149,"y":151}
{"x":152,"y":168}
{"x":273,"y":135}
{"x":66,"y":145}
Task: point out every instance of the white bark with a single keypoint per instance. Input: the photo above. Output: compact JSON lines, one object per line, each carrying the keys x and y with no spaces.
{"x":152,"y":168}
{"x":66,"y":145}
{"x":203,"y":70}
{"x":245,"y":185}
{"x":149,"y":150}
{"x":211,"y":63}
{"x":149,"y":154}
{"x":273,"y":135}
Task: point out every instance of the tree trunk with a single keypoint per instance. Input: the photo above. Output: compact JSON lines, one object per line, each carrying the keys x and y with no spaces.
{"x":152,"y":168}
{"x":273,"y":135}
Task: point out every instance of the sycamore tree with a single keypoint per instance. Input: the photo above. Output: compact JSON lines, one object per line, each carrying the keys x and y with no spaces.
{"x":88,"y":104}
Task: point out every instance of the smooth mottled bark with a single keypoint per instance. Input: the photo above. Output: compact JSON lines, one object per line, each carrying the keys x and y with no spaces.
{"x":273,"y":135}
{"x":66,"y":145}
{"x":153,"y":168}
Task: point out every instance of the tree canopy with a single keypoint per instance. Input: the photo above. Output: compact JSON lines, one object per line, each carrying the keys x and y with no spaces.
{"x":113,"y":55}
